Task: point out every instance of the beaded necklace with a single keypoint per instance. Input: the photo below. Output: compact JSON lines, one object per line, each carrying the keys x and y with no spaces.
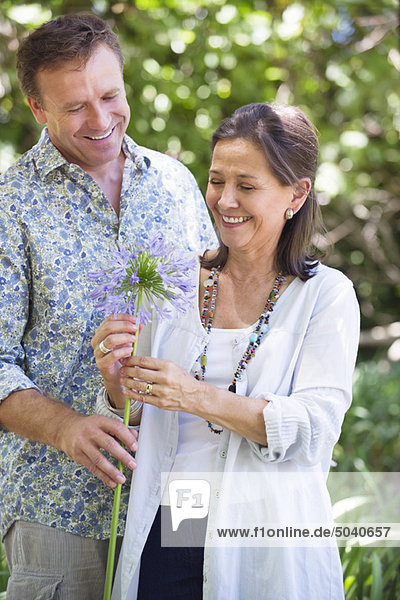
{"x":262,"y":327}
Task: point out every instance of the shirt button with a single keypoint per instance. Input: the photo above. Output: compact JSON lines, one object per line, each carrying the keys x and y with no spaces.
{"x":217,"y":494}
{"x":223,"y":454}
{"x":205,"y":578}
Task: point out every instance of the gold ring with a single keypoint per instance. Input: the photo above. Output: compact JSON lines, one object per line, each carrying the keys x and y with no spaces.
{"x":103,"y":348}
{"x":149,"y":388}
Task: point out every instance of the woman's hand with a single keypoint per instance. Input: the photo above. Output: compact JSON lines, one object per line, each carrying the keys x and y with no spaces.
{"x":112,"y":343}
{"x":161,"y":383}
{"x":164,"y":384}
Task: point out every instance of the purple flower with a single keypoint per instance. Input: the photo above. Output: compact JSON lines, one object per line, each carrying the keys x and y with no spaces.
{"x":156,"y":245}
{"x":134,"y":279}
{"x":143,"y":316}
{"x":163,"y":313}
{"x":155,"y":271}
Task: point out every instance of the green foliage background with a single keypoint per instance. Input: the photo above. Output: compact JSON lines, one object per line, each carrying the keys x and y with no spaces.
{"x":190,"y":63}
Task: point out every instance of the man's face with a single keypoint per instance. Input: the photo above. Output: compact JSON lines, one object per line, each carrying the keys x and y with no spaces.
{"x":85,"y":109}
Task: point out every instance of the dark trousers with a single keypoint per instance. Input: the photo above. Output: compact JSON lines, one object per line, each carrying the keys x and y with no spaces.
{"x":170,"y":573}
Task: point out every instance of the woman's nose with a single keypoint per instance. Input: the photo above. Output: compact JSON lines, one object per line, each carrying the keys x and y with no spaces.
{"x":228,"y":198}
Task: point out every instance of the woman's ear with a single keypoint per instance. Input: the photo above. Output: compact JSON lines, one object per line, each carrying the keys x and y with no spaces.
{"x":300,"y":193}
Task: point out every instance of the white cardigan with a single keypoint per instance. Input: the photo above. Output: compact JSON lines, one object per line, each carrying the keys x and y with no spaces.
{"x":304,"y":369}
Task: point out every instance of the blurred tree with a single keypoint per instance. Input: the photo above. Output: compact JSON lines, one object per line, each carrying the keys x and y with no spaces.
{"x":190,"y":63}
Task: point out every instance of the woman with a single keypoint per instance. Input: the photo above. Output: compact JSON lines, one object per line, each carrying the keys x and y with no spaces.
{"x":254,"y":380}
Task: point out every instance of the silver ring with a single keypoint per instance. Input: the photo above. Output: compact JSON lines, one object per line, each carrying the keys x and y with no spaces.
{"x":104,"y":348}
{"x":149,"y":388}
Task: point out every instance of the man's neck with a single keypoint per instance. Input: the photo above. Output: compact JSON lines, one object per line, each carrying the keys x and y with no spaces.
{"x":109,"y":178}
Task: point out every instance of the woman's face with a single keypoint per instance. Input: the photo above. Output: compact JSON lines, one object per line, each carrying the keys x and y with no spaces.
{"x":247,"y":201}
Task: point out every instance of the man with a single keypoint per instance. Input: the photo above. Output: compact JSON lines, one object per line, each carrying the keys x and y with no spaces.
{"x":64,"y":205}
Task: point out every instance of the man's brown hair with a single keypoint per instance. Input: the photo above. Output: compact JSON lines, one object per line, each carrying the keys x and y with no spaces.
{"x":66,"y":38}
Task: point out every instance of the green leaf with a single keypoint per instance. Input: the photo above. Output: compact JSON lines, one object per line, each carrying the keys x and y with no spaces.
{"x":376,"y":584}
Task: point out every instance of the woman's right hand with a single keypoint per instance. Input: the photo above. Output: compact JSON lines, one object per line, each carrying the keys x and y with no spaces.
{"x":117,"y":335}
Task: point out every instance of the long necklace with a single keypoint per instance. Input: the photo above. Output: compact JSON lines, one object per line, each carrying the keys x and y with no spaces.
{"x":207,"y":317}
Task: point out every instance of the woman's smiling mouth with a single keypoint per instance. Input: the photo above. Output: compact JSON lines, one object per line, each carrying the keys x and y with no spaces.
{"x":234,"y":220}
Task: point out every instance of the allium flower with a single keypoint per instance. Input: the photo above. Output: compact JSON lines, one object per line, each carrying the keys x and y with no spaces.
{"x":155,"y":270}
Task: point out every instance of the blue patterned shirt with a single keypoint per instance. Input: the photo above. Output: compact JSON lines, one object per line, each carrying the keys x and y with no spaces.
{"x":55,"y":227}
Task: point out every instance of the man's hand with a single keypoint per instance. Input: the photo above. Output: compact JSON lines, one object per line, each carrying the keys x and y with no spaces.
{"x":83,"y":439}
{"x":41,"y":419}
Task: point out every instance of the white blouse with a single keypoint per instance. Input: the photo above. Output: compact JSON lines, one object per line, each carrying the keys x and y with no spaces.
{"x":197,"y":444}
{"x":304,"y":368}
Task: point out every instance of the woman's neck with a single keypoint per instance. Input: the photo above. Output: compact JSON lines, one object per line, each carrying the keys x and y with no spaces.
{"x":241,"y":268}
{"x":241,"y":293}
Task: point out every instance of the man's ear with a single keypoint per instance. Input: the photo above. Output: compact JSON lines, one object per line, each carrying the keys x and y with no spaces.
{"x":300,"y":193}
{"x":38,"y":111}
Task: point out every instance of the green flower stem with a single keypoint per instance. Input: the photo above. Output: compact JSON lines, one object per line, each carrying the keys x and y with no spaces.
{"x":112,"y":543}
{"x":117,"y":492}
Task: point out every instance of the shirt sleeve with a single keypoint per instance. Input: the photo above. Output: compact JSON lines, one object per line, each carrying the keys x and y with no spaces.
{"x":305,"y":425}
{"x":103,"y":408}
{"x":15,"y":285}
{"x":173,"y":185}
{"x":195,"y":226}
{"x":199,"y":233}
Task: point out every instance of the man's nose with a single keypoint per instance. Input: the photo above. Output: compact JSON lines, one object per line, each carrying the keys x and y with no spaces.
{"x":98,"y":118}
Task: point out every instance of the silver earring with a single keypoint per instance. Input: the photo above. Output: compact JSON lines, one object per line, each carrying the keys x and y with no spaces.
{"x":289,"y":214}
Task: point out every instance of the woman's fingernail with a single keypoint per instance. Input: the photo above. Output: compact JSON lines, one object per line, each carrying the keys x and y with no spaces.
{"x":121,"y":478}
{"x":132,"y":464}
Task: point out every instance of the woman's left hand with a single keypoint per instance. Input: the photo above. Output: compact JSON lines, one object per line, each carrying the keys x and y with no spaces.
{"x":164,"y":384}
{"x":161,"y":383}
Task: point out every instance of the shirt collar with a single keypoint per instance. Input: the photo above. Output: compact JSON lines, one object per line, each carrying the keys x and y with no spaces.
{"x":47,"y":158}
{"x":136,"y":153}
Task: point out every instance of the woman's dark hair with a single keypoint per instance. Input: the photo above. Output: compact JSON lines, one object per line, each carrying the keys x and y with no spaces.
{"x":290,"y":144}
{"x":65,"y":38}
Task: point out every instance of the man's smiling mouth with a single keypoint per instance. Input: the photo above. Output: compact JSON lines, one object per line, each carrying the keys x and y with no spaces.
{"x":100,"y":137}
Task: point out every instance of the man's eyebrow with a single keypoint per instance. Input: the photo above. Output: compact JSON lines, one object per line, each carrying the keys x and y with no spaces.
{"x":71,"y":104}
{"x":78,"y":102}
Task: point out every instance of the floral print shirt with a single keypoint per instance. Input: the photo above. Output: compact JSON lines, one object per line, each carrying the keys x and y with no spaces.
{"x":56,"y":225}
